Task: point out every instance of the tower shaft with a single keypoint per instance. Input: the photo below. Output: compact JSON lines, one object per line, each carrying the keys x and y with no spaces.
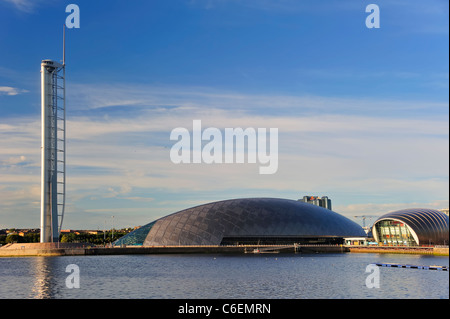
{"x":52,"y":149}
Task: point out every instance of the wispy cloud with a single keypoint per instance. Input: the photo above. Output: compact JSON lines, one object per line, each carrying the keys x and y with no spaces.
{"x":279,"y":6}
{"x":168,"y":97}
{"x":22,"y":5}
{"x":378,"y":209}
{"x":354,"y":148}
{"x":27,"y":6}
{"x":8,"y":90}
{"x":400,"y":16}
{"x":417,"y":17}
{"x":119,"y":162}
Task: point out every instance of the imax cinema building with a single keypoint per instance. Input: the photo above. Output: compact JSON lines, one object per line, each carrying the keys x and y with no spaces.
{"x":412,"y":227}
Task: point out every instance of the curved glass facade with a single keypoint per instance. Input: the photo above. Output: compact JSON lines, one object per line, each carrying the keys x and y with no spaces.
{"x":136,"y":237}
{"x":416,"y":226}
{"x":394,"y":232}
{"x":250,"y":221}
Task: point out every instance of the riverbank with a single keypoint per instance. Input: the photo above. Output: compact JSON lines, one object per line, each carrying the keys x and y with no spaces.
{"x":69,"y":249}
{"x":436,"y":251}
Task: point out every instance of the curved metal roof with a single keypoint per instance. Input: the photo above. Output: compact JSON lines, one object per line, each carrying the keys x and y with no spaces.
{"x":429,"y":225}
{"x":208,"y":224}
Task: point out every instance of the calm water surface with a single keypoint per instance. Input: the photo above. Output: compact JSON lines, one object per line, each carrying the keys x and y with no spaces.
{"x":265,"y":276}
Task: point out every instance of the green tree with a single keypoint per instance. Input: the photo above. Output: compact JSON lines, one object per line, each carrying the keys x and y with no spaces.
{"x":32,"y":238}
{"x":14,"y":238}
{"x":2,"y":239}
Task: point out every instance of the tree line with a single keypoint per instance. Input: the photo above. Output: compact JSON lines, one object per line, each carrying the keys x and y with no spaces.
{"x":96,"y":239}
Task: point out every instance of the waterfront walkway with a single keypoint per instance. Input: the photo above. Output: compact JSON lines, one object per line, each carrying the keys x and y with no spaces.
{"x":438,"y":250}
{"x":60,"y":249}
{"x":67,"y":249}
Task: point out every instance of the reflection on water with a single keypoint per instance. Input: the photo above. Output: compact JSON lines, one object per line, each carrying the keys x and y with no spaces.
{"x":42,"y":272}
{"x":318,"y":276}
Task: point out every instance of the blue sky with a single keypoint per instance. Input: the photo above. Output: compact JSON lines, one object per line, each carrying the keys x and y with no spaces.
{"x":362,"y":113}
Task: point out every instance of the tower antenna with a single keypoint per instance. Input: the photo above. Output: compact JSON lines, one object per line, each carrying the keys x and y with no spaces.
{"x":64,"y":44}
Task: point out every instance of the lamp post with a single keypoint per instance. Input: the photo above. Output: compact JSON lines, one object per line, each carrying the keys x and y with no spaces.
{"x":104,"y":234}
{"x":112,"y":229}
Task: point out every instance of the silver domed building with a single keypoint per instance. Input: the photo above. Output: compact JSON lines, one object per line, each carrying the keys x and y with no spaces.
{"x":412,"y":227}
{"x":246,"y":221}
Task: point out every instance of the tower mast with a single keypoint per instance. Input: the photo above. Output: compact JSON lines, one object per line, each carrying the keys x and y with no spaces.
{"x":53,"y":148}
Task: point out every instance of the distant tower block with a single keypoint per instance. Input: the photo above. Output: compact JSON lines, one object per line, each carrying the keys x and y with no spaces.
{"x":53,"y":149}
{"x":324,"y":202}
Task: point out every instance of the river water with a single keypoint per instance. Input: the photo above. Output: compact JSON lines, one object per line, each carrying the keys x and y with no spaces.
{"x":263,"y":276}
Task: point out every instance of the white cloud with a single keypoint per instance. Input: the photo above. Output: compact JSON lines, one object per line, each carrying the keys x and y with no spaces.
{"x":22,"y":5}
{"x":121,"y":162}
{"x":375,"y":210}
{"x":209,"y":101}
{"x":7,"y":90}
{"x":26,"y":6}
{"x":15,"y":160}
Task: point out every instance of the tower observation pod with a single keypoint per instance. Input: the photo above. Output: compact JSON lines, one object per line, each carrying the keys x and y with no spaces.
{"x":53,"y":149}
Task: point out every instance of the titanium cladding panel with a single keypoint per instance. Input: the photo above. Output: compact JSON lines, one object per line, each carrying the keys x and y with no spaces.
{"x":252,"y":217}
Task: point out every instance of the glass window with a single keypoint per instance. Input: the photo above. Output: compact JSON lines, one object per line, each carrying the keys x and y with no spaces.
{"x":136,"y":237}
{"x":392,"y":232}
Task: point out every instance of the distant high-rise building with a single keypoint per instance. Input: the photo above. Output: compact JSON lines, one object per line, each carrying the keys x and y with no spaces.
{"x":324,"y":202}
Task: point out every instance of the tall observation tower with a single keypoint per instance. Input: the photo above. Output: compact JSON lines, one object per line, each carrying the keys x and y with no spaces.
{"x":53,"y":149}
